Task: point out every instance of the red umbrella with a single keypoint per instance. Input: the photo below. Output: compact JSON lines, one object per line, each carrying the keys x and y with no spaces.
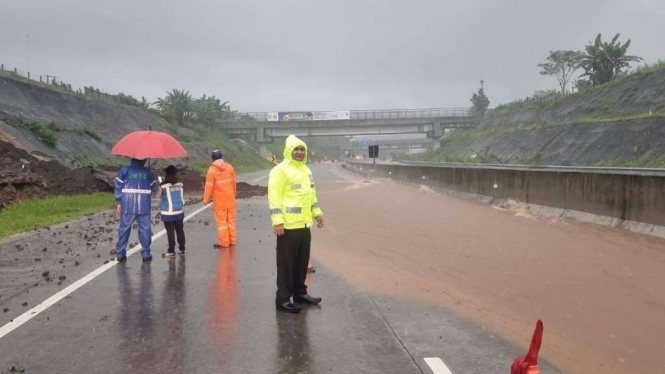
{"x":149,"y":144}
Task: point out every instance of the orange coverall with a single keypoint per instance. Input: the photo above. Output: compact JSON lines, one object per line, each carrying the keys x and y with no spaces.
{"x":221,"y":186}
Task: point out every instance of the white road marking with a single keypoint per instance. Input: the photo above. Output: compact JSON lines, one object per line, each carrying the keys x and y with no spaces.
{"x":437,"y":365}
{"x":258,"y":179}
{"x":27,"y":316}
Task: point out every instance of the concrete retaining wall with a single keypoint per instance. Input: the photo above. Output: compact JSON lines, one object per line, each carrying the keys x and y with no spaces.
{"x":628,"y":196}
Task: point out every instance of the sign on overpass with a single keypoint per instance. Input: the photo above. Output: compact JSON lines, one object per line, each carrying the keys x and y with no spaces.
{"x":309,"y":116}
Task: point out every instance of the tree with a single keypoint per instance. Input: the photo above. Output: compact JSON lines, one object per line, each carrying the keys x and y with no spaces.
{"x":603,"y":62}
{"x":164,"y":107}
{"x":179,"y":105}
{"x":209,"y":110}
{"x":562,"y":65}
{"x":480,"y":101}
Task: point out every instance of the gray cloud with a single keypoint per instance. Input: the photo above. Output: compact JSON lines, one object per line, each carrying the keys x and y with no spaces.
{"x":316,"y":55}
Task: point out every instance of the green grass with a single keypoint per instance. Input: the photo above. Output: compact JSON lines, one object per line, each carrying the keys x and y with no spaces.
{"x":47,"y":132}
{"x":534,"y":159}
{"x":648,"y":68}
{"x":89,"y":131}
{"x":244,"y":160}
{"x":95,"y":162}
{"x":31,"y":214}
{"x":642,"y":162}
{"x":591,"y":120}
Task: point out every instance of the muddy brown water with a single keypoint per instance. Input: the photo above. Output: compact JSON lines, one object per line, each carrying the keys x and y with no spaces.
{"x":597,"y":289}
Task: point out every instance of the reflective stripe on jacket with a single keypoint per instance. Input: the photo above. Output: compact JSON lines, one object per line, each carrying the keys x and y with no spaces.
{"x":220,"y":185}
{"x":291,"y":193}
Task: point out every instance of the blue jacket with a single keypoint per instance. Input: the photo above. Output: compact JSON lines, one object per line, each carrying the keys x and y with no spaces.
{"x":172,"y":202}
{"x":134,"y":187}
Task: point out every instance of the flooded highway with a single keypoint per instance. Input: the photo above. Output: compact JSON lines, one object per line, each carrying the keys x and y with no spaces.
{"x":405,"y":274}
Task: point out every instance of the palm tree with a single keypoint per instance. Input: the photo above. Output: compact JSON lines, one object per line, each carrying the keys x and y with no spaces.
{"x":181,"y":105}
{"x":604,"y":62}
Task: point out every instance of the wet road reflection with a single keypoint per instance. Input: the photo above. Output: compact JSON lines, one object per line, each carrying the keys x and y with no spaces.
{"x":136,"y":345}
{"x":294,"y":353}
{"x":223,"y":298}
{"x":172,"y":337}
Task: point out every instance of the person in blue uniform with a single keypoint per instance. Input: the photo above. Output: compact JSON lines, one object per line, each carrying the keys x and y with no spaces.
{"x":134,"y":187}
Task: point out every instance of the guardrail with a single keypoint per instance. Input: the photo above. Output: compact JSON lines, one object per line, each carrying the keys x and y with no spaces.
{"x":624,"y":194}
{"x":562,"y":169}
{"x":374,"y":114}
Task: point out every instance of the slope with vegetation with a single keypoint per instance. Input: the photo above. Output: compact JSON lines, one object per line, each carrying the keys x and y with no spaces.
{"x":613,"y":118}
{"x":53,"y":121}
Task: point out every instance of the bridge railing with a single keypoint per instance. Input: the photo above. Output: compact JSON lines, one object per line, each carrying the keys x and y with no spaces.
{"x":410,"y":113}
{"x":373,"y":114}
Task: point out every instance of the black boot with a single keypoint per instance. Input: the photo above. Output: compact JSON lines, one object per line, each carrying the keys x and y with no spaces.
{"x":288,"y":307}
{"x":306,"y":299}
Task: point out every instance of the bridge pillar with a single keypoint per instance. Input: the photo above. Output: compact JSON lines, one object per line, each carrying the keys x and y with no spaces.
{"x":263,"y":150}
{"x":261,"y":134}
{"x":438,"y":130}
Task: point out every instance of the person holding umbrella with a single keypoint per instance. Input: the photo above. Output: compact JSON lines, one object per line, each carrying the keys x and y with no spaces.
{"x":135,"y":185}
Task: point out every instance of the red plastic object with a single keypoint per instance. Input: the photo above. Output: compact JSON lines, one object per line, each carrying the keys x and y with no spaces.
{"x":149,"y":144}
{"x":529,"y":363}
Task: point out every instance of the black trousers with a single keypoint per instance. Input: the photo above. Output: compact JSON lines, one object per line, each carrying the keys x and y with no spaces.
{"x":173,"y":229}
{"x":292,"y":258}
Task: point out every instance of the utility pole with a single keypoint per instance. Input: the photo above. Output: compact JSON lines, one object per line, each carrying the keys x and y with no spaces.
{"x":27,"y":42}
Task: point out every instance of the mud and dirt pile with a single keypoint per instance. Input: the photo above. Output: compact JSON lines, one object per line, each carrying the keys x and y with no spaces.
{"x":246,"y":190}
{"x":23,"y":176}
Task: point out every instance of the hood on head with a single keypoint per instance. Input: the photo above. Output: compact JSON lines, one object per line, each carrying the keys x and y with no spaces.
{"x":137,"y":162}
{"x":291,"y":143}
{"x":219,"y":164}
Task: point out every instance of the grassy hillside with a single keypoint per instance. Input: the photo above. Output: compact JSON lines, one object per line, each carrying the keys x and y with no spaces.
{"x":619,"y":123}
{"x":58,"y":123}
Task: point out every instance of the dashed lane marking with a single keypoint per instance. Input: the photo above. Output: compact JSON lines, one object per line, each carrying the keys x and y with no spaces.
{"x":437,"y":365}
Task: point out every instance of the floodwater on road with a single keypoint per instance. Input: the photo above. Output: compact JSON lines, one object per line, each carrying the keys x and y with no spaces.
{"x":405,"y":274}
{"x":597,"y":289}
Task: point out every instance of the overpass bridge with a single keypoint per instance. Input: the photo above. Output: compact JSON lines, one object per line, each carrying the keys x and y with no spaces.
{"x":266,"y":126}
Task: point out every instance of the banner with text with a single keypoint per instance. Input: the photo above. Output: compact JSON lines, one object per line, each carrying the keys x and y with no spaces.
{"x":309,"y":116}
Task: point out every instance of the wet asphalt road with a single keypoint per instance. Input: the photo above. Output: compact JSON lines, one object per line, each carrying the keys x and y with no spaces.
{"x":212,"y":311}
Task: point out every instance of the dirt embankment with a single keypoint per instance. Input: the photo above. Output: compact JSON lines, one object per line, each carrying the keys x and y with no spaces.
{"x":24,"y":176}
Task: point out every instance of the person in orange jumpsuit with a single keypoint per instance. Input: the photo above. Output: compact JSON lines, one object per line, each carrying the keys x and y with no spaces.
{"x":221,"y":187}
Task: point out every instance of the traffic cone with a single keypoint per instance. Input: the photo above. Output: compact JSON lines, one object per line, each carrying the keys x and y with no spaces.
{"x":529,"y":363}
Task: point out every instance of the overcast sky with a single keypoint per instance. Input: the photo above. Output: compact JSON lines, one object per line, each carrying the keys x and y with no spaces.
{"x":266,"y":55}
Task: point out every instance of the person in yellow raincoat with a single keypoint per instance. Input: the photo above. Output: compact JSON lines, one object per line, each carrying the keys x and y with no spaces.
{"x":221,"y":187}
{"x":293,"y":208}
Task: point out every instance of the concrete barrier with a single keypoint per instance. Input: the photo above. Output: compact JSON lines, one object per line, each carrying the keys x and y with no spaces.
{"x":626,"y":194}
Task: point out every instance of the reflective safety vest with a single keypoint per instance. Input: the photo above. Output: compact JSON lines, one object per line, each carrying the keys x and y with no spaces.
{"x":291,"y":193}
{"x":172,"y":203}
